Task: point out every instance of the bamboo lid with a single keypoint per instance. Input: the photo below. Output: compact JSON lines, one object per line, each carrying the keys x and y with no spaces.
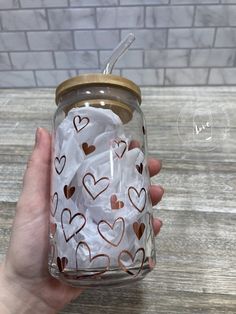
{"x":97,"y":79}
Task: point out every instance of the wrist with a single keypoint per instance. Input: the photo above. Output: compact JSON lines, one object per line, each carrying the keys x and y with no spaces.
{"x":16,"y":298}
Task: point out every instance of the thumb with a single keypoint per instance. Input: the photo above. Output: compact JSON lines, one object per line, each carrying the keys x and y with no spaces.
{"x":36,"y":183}
{"x":32,"y":211}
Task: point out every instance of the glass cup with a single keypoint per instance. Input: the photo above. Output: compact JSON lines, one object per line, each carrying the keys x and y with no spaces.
{"x":101,"y":231}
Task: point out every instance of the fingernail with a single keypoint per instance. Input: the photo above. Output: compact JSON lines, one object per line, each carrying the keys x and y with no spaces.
{"x":37,"y":136}
{"x":159,"y":227}
{"x":161,"y":189}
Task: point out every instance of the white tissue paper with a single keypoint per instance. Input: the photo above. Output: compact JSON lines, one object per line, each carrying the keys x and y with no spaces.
{"x":100,"y":208}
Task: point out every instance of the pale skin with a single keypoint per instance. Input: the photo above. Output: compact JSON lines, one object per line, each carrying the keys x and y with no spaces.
{"x":25,"y":284}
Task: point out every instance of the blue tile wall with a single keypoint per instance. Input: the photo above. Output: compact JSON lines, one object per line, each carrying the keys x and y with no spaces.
{"x":178,"y":42}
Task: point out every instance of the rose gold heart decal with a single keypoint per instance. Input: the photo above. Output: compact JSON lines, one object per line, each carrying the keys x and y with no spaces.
{"x":59,"y":164}
{"x":71,"y":225}
{"x":139,"y":229}
{"x":132,"y":264}
{"x":53,"y":229}
{"x":88,"y":149}
{"x":61,"y":263}
{"x":115,"y":203}
{"x":80,"y":123}
{"x":54,"y":204}
{"x":140,"y":168}
{"x":95,"y":187}
{"x":113,"y":234}
{"x":119,"y":147}
{"x":69,"y":191}
{"x":99,"y":261}
{"x":138,"y":199}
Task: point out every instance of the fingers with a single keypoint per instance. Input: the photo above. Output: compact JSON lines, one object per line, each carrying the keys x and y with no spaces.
{"x":157,"y":224}
{"x":154,"y":166}
{"x":134,"y":144}
{"x":29,"y":245}
{"x":36,"y":181}
{"x":156,"y":193}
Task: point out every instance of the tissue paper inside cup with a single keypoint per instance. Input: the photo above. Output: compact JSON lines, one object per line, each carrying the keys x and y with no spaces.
{"x":101,"y":192}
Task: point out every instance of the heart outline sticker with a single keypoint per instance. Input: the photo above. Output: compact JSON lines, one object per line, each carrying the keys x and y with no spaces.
{"x":70,"y":221}
{"x":54,"y":204}
{"x":91,"y":259}
{"x":61,"y":263}
{"x":95,"y":182}
{"x":80,"y":121}
{"x":132,"y":258}
{"x":118,"y":149}
{"x":111,"y":227}
{"x":138,"y":194}
{"x":57,"y":164}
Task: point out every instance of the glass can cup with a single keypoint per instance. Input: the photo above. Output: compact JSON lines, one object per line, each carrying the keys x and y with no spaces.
{"x":101,"y":231}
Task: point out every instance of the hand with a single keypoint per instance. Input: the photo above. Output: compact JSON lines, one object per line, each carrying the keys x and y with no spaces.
{"x":25,"y":284}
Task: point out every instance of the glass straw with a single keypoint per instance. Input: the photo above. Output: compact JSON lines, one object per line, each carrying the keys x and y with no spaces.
{"x":118,"y":52}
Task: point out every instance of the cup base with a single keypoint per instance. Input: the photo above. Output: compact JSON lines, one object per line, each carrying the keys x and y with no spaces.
{"x":94,"y":278}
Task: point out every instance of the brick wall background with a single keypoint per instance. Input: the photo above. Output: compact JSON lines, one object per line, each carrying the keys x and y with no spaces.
{"x":178,"y":42}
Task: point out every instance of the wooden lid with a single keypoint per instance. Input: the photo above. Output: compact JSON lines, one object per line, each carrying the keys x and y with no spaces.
{"x":97,"y":79}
